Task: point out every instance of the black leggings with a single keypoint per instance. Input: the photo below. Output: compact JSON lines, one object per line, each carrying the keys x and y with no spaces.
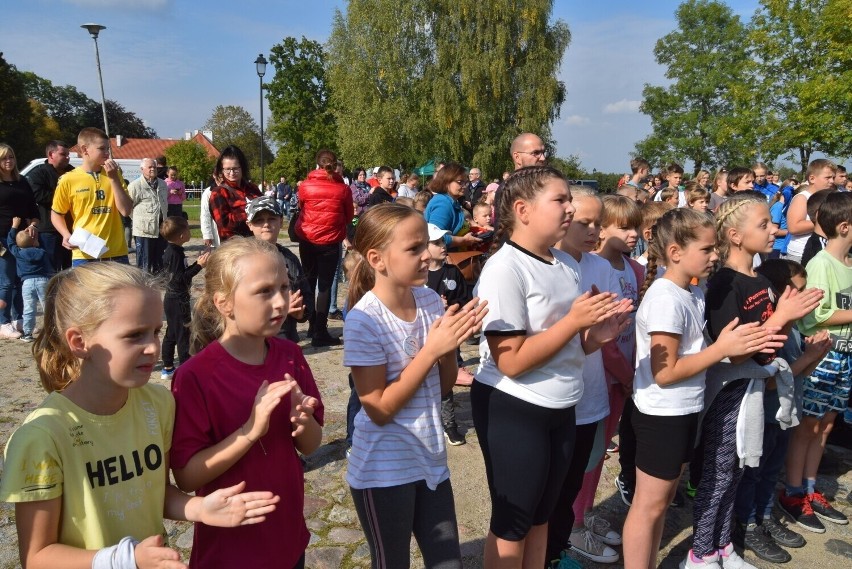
{"x":320,"y":265}
{"x":390,"y":515}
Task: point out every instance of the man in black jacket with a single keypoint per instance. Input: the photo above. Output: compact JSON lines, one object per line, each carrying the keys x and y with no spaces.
{"x":43,"y":179}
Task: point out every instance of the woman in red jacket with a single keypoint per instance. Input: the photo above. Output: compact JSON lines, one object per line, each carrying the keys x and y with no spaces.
{"x":326,"y":208}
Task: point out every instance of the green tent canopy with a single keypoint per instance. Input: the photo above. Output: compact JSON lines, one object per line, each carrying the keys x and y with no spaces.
{"x":427,"y":169}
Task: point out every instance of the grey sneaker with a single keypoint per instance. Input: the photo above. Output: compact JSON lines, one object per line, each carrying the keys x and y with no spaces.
{"x":601,"y":529}
{"x":588,"y":545}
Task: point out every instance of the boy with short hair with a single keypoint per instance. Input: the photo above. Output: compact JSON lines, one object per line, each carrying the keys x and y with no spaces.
{"x":817,"y":240}
{"x":826,"y":390}
{"x":697,"y":198}
{"x":674,"y":176}
{"x":264,"y":218}
{"x":34,"y":269}
{"x":740,"y":180}
{"x":639,"y":169}
{"x":670,"y":196}
{"x":95,"y":196}
{"x":175,"y":230}
{"x":421,"y":200}
{"x":382,"y":192}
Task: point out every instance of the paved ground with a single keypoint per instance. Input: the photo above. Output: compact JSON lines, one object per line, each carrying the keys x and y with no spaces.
{"x":337,"y":540}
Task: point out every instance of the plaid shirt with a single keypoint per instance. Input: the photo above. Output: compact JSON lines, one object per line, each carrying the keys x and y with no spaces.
{"x":228,"y":207}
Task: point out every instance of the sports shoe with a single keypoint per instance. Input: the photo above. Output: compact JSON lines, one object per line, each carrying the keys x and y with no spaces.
{"x":19,"y":326}
{"x":691,"y":490}
{"x":453,"y":436}
{"x":564,"y":562}
{"x":625,"y":491}
{"x":758,"y":540}
{"x":799,"y":510}
{"x":826,"y":511}
{"x":323,"y":340}
{"x":27,"y":338}
{"x":335,"y":315}
{"x":167,"y":373}
{"x":464,"y":378}
{"x":612,"y":447}
{"x":730,"y":559}
{"x":601,"y":529}
{"x":9,"y":332}
{"x":588,"y":545}
{"x":693,"y":562}
{"x":678,"y":501}
{"x":782,"y":534}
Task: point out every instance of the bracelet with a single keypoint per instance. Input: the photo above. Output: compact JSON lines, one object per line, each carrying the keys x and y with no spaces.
{"x":243,"y":433}
{"x":120,"y":556}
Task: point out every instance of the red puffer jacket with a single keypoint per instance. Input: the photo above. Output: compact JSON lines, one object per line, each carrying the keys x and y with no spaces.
{"x":326,"y":209}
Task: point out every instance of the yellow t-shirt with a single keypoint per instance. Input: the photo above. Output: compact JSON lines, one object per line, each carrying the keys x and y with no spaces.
{"x":109,"y":470}
{"x":90,"y":200}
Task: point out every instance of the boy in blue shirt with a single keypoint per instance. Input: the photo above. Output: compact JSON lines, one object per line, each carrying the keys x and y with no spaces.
{"x":34,"y":269}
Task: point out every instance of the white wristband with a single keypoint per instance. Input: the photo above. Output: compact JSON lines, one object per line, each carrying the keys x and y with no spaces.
{"x":121,"y":556}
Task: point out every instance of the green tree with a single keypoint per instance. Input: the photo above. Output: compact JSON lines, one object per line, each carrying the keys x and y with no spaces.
{"x":192,"y":161}
{"x":232,"y":124}
{"x":801,"y":73}
{"x":412,"y":80}
{"x":301,"y":122}
{"x":693,"y":118}
{"x":16,"y":115}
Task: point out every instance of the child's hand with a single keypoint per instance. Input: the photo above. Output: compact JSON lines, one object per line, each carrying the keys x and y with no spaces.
{"x":794,"y":305}
{"x":267,"y":399}
{"x":16,"y":222}
{"x":444,"y":299}
{"x":456,"y":325}
{"x":818,"y":345}
{"x":609,"y":328}
{"x":202,"y":258}
{"x":302,"y":407}
{"x":748,"y":339}
{"x":150,"y":553}
{"x":297,"y":305}
{"x":227,"y":507}
{"x":592,"y":307}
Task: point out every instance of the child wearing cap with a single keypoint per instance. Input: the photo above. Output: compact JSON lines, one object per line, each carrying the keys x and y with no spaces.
{"x":448,"y":281}
{"x":264,"y":218}
{"x":175,"y":230}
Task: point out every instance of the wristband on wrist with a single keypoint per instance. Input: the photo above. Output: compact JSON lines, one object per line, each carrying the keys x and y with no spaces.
{"x":121,"y":556}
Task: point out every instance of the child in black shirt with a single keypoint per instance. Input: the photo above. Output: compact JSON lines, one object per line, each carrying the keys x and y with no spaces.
{"x":175,"y":230}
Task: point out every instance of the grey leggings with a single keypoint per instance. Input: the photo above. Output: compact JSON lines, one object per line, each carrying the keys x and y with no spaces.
{"x":390,"y":515}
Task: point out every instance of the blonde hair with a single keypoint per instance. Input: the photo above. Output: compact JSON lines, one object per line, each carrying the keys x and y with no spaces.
{"x":81,"y":297}
{"x":5,"y":151}
{"x":375,"y":231}
{"x":620,"y":210}
{"x":652,"y":211}
{"x":732,"y":214}
{"x":678,"y":225}
{"x":23,"y":240}
{"x":222,"y":274}
{"x":90,"y":135}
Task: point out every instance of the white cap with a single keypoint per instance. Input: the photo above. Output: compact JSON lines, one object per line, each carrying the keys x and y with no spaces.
{"x":436,"y":232}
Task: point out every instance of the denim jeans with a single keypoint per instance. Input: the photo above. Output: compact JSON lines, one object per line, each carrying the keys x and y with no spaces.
{"x":120,"y":259}
{"x":757,"y":487}
{"x":149,"y":253}
{"x":334,"y":283}
{"x":10,"y":289}
{"x":34,"y":292}
{"x":60,"y":257}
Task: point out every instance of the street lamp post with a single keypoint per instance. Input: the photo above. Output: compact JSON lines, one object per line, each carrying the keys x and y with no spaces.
{"x":94,"y":30}
{"x":260,"y":64}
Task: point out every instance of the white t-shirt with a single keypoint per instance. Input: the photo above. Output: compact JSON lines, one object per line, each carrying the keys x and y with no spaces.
{"x":624,"y":284}
{"x":668,"y":308}
{"x":796,"y":245}
{"x":594,"y":404}
{"x":527,"y":295}
{"x":410,"y":447}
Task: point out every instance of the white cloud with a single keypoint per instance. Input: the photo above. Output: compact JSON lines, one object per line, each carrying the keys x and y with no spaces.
{"x":622,"y":106}
{"x":576,"y":120}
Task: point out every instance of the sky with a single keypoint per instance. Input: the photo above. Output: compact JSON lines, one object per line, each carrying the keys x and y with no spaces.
{"x":172,"y":62}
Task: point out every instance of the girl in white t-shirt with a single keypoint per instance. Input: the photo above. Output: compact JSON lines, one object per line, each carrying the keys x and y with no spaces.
{"x":671,"y":360}
{"x":400,"y":345}
{"x":537,"y":331}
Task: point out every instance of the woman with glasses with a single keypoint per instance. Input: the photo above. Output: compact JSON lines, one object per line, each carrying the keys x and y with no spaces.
{"x":16,"y":200}
{"x":230,"y":193}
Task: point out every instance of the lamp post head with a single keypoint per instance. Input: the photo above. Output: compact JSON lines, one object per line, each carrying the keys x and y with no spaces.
{"x":93,"y":29}
{"x":260,"y":63}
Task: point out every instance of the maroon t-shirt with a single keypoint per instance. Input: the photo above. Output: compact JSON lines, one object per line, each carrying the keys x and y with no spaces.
{"x":214,"y":394}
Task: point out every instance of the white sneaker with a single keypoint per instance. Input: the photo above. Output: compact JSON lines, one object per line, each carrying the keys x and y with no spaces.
{"x":9,"y":332}
{"x":588,"y":545}
{"x":709,"y":562}
{"x":730,"y":559}
{"x":602,"y":530}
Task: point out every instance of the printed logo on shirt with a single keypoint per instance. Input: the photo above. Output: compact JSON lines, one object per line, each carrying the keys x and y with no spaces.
{"x":410,"y":346}
{"x":450,"y":284}
{"x":122,"y":468}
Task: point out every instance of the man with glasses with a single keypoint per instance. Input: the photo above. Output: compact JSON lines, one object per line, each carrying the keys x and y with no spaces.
{"x":475,"y":188}
{"x":43,"y":179}
{"x":527,"y":150}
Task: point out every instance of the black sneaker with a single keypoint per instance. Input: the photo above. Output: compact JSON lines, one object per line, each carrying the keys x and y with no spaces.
{"x":625,"y":491}
{"x":336,"y":315}
{"x":826,"y":511}
{"x":453,"y":436}
{"x":761,"y":543}
{"x":323,"y":340}
{"x":799,"y":510}
{"x":678,"y":501}
{"x":782,"y":534}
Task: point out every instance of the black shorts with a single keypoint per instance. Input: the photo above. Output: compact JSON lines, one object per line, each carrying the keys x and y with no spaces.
{"x":527,"y":451}
{"x":664,"y":443}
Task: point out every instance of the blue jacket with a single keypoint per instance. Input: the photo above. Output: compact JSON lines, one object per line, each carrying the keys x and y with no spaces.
{"x":445,"y":212}
{"x":31,"y":262}
{"x":768,"y":190}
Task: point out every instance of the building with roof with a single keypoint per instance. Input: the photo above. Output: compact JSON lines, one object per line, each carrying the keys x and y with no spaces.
{"x":139,"y":148}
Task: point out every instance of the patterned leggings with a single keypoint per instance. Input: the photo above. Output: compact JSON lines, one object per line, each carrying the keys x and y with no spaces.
{"x":714,"y":500}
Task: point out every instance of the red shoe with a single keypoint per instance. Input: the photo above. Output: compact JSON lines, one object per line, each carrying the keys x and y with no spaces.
{"x":464,"y":378}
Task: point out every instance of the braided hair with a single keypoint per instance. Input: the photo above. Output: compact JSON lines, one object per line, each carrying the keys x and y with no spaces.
{"x":730,"y":215}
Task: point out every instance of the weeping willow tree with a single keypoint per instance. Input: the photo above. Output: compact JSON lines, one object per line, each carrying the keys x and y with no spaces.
{"x":416,"y":79}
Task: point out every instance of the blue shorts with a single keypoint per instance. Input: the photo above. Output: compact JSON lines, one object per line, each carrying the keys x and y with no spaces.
{"x":827,"y":388}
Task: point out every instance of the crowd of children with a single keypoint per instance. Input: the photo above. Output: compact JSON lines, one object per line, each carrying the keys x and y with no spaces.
{"x":680,"y":323}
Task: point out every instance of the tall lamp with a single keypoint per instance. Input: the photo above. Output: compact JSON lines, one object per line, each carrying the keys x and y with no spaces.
{"x":260,"y":64}
{"x":94,"y":30}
